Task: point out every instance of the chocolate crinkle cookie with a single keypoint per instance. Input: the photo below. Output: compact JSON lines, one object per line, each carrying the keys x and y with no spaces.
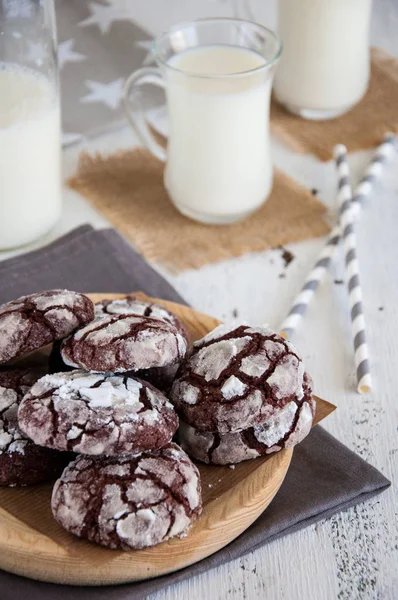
{"x":33,"y":321}
{"x":160,"y":377}
{"x":131,"y":305}
{"x":236,"y":378}
{"x":284,"y":429}
{"x":124,"y":343}
{"x":21,"y":461}
{"x":130,"y":502}
{"x":96,"y":414}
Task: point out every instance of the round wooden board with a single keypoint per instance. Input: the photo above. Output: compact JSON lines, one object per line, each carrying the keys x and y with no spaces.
{"x":34,"y":545}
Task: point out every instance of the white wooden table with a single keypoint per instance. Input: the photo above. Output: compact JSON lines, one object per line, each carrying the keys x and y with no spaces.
{"x":354,"y":554}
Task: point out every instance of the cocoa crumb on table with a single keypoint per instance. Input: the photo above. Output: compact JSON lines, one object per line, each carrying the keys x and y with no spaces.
{"x":287,"y":256}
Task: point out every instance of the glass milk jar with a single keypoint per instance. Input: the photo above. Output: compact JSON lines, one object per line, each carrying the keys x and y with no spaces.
{"x":324,"y":68}
{"x":30,"y":141}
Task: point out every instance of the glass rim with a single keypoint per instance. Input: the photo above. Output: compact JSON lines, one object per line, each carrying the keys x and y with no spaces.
{"x":268,"y":63}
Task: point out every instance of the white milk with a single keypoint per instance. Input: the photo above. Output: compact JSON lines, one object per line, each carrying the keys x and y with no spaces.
{"x":218,"y":165}
{"x":30,"y":178}
{"x":325,"y":60}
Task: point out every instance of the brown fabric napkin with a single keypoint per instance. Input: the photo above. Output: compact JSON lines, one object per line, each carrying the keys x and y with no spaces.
{"x":127,"y":187}
{"x":324,"y":477}
{"x":362,"y":127}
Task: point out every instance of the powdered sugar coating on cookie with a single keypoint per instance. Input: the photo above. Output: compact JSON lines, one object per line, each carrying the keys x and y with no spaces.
{"x":124,"y":343}
{"x":236,"y":378}
{"x":31,"y":322}
{"x":131,"y":305}
{"x":96,"y":414}
{"x":14,"y":384}
{"x":130,"y":502}
{"x":287,"y":427}
{"x":21,"y":461}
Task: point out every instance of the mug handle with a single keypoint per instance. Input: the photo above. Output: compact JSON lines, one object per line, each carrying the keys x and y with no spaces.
{"x":132,"y":100}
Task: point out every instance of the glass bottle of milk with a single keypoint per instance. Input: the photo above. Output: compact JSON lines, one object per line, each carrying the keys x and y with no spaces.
{"x":30,"y":140}
{"x":324,"y":68}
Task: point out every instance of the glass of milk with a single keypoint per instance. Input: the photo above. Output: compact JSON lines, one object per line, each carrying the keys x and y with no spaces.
{"x":217,"y":75}
{"x":30,"y":176}
{"x":325,"y":67}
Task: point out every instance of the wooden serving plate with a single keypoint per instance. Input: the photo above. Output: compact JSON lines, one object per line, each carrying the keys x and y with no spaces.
{"x":34,"y":545}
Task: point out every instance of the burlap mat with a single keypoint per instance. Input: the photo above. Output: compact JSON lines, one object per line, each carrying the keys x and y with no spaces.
{"x":363,"y":127}
{"x":127,"y":187}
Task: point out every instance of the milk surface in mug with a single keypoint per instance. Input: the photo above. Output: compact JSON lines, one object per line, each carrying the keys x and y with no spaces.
{"x":30,"y":178}
{"x":218,"y":151}
{"x":325,"y":59}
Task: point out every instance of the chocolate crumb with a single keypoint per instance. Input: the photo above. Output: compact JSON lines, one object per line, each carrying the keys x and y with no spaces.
{"x":338,"y":281}
{"x":381,"y":308}
{"x":287,"y":256}
{"x":282,"y":275}
{"x":235,"y":313}
{"x":314,"y":191}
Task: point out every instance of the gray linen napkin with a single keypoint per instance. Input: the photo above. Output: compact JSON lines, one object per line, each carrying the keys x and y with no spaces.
{"x":324,"y":477}
{"x":85,"y":260}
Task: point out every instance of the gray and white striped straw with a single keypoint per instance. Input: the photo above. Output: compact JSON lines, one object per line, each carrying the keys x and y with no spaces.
{"x":344,"y":196}
{"x":363,"y":189}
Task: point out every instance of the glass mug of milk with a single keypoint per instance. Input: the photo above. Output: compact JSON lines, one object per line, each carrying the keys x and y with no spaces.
{"x":217,"y":75}
{"x":30,"y":141}
{"x":325,"y":67}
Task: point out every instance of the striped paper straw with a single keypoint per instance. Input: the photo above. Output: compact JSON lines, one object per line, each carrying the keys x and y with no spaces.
{"x":344,"y":196}
{"x":363,"y":189}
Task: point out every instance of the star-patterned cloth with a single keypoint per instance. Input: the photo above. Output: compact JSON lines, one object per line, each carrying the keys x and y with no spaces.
{"x":99,"y":45}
